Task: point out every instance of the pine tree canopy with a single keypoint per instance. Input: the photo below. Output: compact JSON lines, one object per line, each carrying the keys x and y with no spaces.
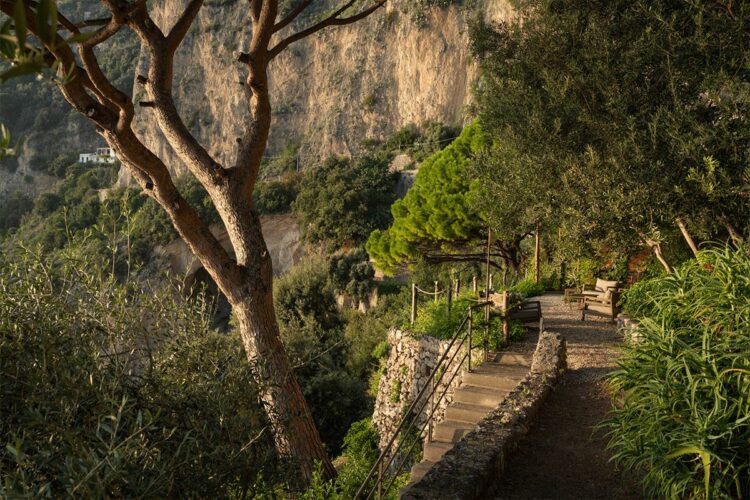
{"x":437,"y":216}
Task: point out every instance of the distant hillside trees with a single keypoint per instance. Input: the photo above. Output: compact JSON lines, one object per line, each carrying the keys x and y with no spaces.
{"x":342,"y":201}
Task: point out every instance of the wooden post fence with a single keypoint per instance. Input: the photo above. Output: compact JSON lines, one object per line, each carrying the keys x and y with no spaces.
{"x":504,"y":306}
{"x":413,"y":303}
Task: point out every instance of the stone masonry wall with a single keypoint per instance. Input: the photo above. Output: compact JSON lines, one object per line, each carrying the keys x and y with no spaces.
{"x":471,"y":468}
{"x":410,"y":362}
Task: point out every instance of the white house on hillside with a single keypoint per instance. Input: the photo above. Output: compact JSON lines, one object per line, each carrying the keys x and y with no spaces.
{"x":102,"y":155}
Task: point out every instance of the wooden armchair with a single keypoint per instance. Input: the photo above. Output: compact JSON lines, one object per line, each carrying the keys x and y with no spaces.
{"x":604,"y":305}
{"x":601,"y":286}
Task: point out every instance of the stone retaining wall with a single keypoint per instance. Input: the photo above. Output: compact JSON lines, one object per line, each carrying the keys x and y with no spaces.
{"x":472,"y":467}
{"x":410,"y":362}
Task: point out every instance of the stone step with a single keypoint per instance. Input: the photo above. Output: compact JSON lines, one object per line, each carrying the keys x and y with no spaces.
{"x":419,"y":470}
{"x":481,"y":396}
{"x":465,"y":412}
{"x":514,"y":358}
{"x":499,"y":381}
{"x":451,"y":430}
{"x":436,"y":449}
{"x":501,"y":369}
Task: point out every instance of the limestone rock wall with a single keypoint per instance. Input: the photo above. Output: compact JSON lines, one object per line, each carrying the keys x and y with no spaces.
{"x":330,"y":91}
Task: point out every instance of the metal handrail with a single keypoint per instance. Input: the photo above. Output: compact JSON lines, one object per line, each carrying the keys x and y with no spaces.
{"x":410,"y":415}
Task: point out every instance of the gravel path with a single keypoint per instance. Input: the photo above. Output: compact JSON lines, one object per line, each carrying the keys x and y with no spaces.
{"x":564,"y":457}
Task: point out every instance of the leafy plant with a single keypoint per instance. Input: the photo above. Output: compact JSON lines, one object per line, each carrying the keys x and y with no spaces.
{"x":683,"y":391}
{"x":119,"y":389}
{"x":528,"y":288}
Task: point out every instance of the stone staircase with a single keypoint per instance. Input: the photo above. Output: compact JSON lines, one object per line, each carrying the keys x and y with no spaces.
{"x":479,"y":393}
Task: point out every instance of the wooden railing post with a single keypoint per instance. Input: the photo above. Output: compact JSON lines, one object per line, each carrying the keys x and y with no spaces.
{"x":449,"y":292}
{"x":457,"y":287}
{"x":474,"y":284}
{"x":537,"y":253}
{"x":436,"y":292}
{"x":505,"y":303}
{"x":413,"y":303}
{"x":432,"y":409}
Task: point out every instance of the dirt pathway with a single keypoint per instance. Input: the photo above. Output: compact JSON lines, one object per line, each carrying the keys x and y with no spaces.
{"x":564,"y":457}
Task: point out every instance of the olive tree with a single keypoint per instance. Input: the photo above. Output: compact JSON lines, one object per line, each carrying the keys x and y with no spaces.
{"x":244,"y":274}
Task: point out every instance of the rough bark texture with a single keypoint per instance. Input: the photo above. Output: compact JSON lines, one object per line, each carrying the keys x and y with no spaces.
{"x":245,"y":277}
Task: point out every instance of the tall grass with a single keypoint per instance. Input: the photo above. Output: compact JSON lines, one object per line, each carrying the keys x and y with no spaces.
{"x":682,"y":408}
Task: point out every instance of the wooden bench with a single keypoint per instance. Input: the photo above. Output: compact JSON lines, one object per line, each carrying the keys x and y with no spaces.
{"x":528,"y":311}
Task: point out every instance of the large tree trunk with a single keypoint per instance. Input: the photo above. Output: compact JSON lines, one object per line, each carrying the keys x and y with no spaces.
{"x":296,"y":437}
{"x":294,"y":431}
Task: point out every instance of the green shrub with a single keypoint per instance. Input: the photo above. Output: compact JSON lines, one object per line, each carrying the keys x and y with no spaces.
{"x":12,"y":210}
{"x":528,"y":288}
{"x":351,"y":273}
{"x":274,"y":197}
{"x":360,"y":454}
{"x":118,"y":390}
{"x":343,"y":202}
{"x":46,"y":203}
{"x":683,"y":391}
{"x":337,"y":399}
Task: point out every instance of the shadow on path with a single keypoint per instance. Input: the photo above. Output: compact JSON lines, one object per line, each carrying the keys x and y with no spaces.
{"x":565,"y":456}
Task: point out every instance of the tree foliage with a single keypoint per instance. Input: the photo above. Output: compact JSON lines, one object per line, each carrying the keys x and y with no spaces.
{"x":342,"y":201}
{"x":119,"y":389}
{"x":622,"y":105}
{"x":436,"y":216}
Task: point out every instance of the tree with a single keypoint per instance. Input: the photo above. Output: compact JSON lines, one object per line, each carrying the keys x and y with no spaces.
{"x":438,"y":219}
{"x":244,"y":275}
{"x":621,"y":103}
{"x":342,"y":201}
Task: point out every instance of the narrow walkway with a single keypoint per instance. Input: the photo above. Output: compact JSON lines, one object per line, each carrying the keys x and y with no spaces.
{"x":564,"y":457}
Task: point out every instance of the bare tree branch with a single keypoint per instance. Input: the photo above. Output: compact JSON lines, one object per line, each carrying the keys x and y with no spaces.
{"x":291,"y":16}
{"x":159,"y":88}
{"x":183,"y":24}
{"x":332,"y":20}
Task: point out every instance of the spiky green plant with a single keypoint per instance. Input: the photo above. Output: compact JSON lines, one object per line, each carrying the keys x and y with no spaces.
{"x":682,"y":394}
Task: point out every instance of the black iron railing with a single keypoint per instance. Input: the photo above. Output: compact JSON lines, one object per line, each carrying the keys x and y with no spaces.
{"x":395,"y":457}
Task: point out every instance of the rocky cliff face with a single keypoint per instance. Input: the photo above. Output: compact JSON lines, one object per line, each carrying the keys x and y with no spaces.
{"x":331,"y":91}
{"x":407,"y":64}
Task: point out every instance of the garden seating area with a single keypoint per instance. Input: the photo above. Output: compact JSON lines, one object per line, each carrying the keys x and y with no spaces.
{"x":601,"y":299}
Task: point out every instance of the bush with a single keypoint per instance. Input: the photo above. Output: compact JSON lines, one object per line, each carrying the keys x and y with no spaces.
{"x":528,"y":288}
{"x":13,"y":209}
{"x":343,"y":202}
{"x":114,"y":390}
{"x":312,"y":332}
{"x":274,"y":197}
{"x":683,"y":392}
{"x":360,"y":454}
{"x":46,"y":203}
{"x":337,"y":400}
{"x":351,"y":273}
